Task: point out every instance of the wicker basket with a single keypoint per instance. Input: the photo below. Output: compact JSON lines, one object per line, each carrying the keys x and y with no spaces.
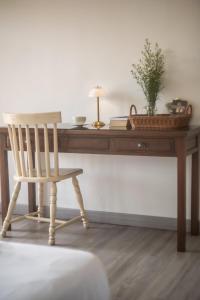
{"x":160,"y":121}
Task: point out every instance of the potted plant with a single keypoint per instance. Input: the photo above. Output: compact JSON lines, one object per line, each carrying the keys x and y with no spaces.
{"x":149,"y":74}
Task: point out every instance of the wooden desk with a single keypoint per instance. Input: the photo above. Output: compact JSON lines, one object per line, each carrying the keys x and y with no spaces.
{"x":168,"y":143}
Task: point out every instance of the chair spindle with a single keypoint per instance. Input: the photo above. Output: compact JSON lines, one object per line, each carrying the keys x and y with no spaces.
{"x":37,"y":149}
{"x":46,"y":150}
{"x":16,"y":150}
{"x":29,"y":152}
{"x":55,"y":143}
{"x":21,"y":151}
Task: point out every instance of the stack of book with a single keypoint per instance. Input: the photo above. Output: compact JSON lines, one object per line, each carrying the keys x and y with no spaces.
{"x":119,"y":123}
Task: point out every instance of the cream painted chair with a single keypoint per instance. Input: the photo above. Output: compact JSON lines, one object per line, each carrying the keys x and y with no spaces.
{"x":19,"y":134}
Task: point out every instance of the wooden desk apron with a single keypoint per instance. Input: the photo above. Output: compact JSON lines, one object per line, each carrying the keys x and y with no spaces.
{"x":166,"y":143}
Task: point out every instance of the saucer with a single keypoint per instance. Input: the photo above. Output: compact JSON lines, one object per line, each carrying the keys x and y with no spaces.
{"x":81,"y":125}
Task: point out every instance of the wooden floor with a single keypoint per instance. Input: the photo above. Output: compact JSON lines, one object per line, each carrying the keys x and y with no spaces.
{"x":142,"y":264}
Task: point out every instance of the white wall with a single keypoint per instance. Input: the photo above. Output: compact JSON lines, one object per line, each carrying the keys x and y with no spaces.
{"x":53,"y":52}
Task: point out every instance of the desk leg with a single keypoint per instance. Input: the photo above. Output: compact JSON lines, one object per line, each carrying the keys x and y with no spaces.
{"x":4,"y":177}
{"x":181,"y":181}
{"x":31,"y":198}
{"x":195,"y":192}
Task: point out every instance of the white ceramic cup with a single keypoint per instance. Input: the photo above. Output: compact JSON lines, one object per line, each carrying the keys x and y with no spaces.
{"x":79,"y":120}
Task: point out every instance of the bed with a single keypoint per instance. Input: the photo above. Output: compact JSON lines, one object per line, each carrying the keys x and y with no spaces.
{"x":30,"y":272}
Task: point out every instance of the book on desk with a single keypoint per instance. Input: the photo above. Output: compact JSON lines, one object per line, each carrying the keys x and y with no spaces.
{"x":120,"y":122}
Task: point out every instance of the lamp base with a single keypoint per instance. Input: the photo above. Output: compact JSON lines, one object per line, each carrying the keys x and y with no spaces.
{"x":98,"y":124}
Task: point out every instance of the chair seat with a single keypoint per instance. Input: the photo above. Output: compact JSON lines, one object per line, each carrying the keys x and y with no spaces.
{"x":63,"y":174}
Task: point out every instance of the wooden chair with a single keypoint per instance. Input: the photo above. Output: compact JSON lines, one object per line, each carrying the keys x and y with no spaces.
{"x":20,"y":140}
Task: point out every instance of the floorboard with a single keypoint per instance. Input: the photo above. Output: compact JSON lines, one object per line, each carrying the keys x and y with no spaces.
{"x":141,"y":263}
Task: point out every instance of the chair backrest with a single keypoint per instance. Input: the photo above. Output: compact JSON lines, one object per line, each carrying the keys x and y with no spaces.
{"x":20,"y":140}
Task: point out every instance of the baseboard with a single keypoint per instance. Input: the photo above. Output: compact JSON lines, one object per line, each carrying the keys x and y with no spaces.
{"x":114,"y":218}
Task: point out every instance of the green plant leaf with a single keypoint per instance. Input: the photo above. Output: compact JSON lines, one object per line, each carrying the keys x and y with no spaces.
{"x":149,"y":71}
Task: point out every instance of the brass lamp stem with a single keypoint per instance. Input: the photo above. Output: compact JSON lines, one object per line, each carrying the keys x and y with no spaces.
{"x":98,"y":112}
{"x":98,"y":123}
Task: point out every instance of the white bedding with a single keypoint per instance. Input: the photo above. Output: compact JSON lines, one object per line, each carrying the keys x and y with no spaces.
{"x":30,"y":272}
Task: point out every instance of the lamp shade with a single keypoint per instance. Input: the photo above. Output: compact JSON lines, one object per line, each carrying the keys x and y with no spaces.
{"x":98,"y":91}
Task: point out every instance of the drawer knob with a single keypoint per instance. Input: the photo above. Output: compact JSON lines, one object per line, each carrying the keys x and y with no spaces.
{"x":141,"y":145}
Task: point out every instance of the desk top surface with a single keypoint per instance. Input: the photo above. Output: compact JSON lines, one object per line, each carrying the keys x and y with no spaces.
{"x":70,"y":129}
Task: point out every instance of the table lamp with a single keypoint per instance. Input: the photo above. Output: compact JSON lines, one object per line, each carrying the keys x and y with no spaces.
{"x":97,"y":92}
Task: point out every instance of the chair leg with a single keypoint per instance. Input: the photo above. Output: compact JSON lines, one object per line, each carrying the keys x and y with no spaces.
{"x":80,"y":201}
{"x":41,"y":199}
{"x":53,"y":199}
{"x":11,"y":207}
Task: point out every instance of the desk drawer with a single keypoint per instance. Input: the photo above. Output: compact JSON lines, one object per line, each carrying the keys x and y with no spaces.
{"x":32,"y":139}
{"x":85,"y":145}
{"x":142,"y":145}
